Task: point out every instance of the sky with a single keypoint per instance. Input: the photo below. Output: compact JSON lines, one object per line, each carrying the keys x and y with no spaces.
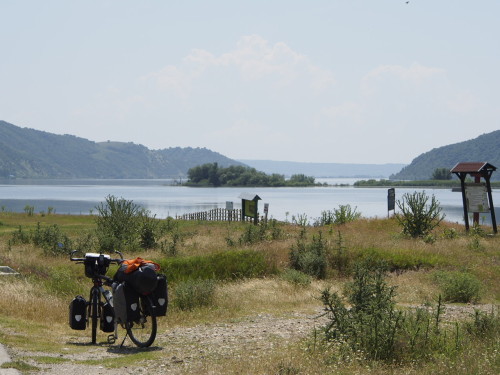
{"x":333,"y":81}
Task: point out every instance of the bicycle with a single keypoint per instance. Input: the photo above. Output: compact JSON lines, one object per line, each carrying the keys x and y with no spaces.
{"x":142,"y":330}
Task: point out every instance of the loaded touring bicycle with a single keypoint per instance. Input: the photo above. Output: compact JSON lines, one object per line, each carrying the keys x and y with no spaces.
{"x":138,"y":296}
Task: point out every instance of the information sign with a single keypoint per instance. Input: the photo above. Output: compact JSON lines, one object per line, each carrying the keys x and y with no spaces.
{"x":477,"y":198}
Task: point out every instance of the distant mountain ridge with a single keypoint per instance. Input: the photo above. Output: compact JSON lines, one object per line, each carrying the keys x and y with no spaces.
{"x":485,"y":148}
{"x":30,"y":153}
{"x":289,"y":168}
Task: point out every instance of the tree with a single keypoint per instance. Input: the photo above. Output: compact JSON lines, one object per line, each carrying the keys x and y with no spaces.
{"x":118,"y":223}
{"x":441,"y":174}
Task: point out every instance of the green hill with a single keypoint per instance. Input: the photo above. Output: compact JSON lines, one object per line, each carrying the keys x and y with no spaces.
{"x":29,"y":153}
{"x":485,"y":148}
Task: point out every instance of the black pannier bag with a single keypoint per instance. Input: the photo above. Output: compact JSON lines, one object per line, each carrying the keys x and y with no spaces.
{"x":126,"y":303}
{"x":78,"y":313}
{"x":143,"y":279}
{"x":160,"y":296}
{"x":107,"y":318}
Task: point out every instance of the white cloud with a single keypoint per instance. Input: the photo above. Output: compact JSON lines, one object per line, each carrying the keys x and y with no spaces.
{"x":414,"y":76}
{"x":254,"y":58}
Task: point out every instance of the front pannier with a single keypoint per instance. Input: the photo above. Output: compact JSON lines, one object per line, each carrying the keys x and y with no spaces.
{"x":107,"y":318}
{"x":126,"y":303}
{"x":78,"y":313}
{"x":160,"y":296}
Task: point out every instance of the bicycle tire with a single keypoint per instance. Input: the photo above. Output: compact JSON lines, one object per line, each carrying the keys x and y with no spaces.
{"x":94,"y":314}
{"x":143,"y":332}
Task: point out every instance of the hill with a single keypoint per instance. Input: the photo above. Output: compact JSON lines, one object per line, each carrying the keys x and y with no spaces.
{"x":485,"y":148}
{"x":30,"y":153}
{"x":289,"y":168}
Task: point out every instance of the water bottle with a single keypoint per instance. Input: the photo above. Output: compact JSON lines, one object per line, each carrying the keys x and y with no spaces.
{"x":108,"y":296}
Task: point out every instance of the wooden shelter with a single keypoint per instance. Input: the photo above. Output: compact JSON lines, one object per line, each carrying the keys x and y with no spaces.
{"x":473,"y":191}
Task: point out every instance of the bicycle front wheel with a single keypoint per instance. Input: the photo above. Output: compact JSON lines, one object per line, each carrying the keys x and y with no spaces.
{"x":94,"y":313}
{"x":143,"y":331}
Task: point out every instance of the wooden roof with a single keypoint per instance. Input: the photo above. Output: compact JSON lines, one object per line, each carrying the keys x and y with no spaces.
{"x":472,"y":167}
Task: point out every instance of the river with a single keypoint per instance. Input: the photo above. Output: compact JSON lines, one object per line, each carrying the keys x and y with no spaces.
{"x":162,"y":198}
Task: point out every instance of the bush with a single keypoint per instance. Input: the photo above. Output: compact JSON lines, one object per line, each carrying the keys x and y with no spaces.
{"x":343,"y":215}
{"x":370,"y":325}
{"x":296,"y":277}
{"x":122,"y":224}
{"x":372,"y":328}
{"x":417,"y":217}
{"x":459,"y":286}
{"x":310,"y":258}
{"x":191,"y":294}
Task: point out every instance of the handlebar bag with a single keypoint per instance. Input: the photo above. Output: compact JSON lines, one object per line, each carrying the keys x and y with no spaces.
{"x":125,"y":302}
{"x":78,"y":313}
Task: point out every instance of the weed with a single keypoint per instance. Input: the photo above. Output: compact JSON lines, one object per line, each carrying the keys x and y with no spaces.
{"x":458,"y":286}
{"x":339,"y":258}
{"x":296,"y":277}
{"x":450,"y":233}
{"x":191,"y":294}
{"x":338,"y":216}
{"x":310,"y":258}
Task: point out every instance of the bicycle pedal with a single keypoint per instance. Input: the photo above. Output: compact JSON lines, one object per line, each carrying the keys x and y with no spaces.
{"x":111,"y":339}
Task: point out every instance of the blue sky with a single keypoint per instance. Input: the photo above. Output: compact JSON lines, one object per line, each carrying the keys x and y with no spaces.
{"x":341,"y":81}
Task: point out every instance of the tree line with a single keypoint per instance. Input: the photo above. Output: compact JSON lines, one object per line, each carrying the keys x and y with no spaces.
{"x":211,"y":174}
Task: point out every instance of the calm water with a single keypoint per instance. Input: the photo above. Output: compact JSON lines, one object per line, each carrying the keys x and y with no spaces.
{"x":164,"y":199}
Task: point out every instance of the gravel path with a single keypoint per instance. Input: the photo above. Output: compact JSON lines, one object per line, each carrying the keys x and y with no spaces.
{"x":185,"y":349}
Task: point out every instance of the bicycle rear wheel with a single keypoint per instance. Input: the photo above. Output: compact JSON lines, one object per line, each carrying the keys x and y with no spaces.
{"x":143,"y":331}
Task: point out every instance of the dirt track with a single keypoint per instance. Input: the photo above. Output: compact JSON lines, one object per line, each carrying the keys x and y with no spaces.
{"x":184,"y":350}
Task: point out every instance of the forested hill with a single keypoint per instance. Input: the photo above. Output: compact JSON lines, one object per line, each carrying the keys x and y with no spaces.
{"x":485,"y":148}
{"x":29,"y":153}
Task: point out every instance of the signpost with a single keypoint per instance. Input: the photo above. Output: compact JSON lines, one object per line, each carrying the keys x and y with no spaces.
{"x":391,"y":200}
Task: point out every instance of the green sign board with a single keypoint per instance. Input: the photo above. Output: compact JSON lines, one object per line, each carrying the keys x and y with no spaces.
{"x":250,"y":208}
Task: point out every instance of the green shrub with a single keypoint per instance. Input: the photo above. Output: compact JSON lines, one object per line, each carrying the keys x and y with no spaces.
{"x":417,"y":217}
{"x":191,"y":294}
{"x":485,"y":324}
{"x":310,"y":258}
{"x":339,"y":259}
{"x":459,"y":286}
{"x":339,"y":216}
{"x":370,"y":325}
{"x":372,"y":328}
{"x":296,"y":277}
{"x":51,"y":240}
{"x":118,"y":223}
{"x":252,"y":234}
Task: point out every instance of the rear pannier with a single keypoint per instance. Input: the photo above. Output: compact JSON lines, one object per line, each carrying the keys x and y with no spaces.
{"x":78,"y":313}
{"x":159,"y":296}
{"x":139,"y":273}
{"x":125,"y":302}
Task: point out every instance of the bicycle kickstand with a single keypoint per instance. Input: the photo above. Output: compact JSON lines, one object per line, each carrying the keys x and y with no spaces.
{"x":123,"y":342}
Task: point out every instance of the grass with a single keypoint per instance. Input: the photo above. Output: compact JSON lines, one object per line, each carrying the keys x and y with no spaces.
{"x":250,"y":279}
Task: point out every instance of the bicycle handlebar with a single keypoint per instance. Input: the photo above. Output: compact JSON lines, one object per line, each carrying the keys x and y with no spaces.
{"x":117,"y":261}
